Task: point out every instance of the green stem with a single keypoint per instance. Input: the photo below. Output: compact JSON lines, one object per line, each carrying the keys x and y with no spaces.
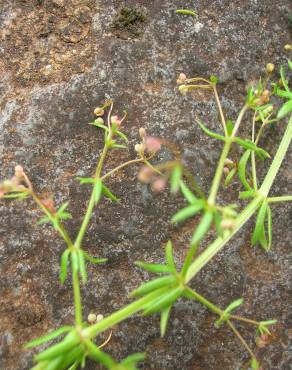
{"x":253,"y":161}
{"x":219,"y":172}
{"x":204,"y":301}
{"x":77,"y":298}
{"x":242,"y":340}
{"x":284,"y":198}
{"x":91,"y":203}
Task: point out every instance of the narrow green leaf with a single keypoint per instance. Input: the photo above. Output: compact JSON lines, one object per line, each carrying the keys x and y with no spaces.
{"x":63,"y":207}
{"x":75,"y":261}
{"x":122,"y":135}
{"x":133,"y":359}
{"x":247,"y":194}
{"x":95,"y":260}
{"x":285,"y":109}
{"x":59,"y":349}
{"x":64,"y":264}
{"x":86,"y":180}
{"x":290,"y":64}
{"x":153,"y":285}
{"x":188,"y":212}
{"x":283,"y":94}
{"x":97,"y":191}
{"x":186,"y":12}
{"x":203,"y":227}
{"x":164,"y":320}
{"x":43,"y":220}
{"x":269,"y":225}
{"x":82,"y":266}
{"x":283,"y":79}
{"x":108,"y":194}
{"x":242,"y":169}
{"x":217,"y":221}
{"x":166,"y":300}
{"x":210,"y":133}
{"x":153,"y":267}
{"x":169,"y":256}
{"x":229,"y":177}
{"x":15,"y":195}
{"x":259,"y":231}
{"x":229,"y":126}
{"x":254,"y":364}
{"x":119,"y":146}
{"x":175,"y":178}
{"x":99,"y":356}
{"x":226,"y":313}
{"x":46,"y":338}
{"x":100,"y":125}
{"x":190,"y":197}
{"x":248,"y":144}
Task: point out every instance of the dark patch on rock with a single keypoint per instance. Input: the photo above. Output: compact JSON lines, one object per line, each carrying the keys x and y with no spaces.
{"x":129,"y":23}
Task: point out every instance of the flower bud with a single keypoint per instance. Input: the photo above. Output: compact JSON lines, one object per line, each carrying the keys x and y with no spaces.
{"x":152,"y":144}
{"x":270,"y":67}
{"x":181,"y":78}
{"x":158,"y":185}
{"x":145,"y":175}
{"x":288,"y":47}
{"x":99,"y":318}
{"x":115,"y":120}
{"x":18,"y":171}
{"x":139,"y":148}
{"x":99,"y":121}
{"x":142,"y":132}
{"x":99,"y":111}
{"x":49,"y":204}
{"x":226,"y":171}
{"x":91,"y":318}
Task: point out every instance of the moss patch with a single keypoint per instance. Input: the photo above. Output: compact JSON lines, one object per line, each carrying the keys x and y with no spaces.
{"x":129,"y":23}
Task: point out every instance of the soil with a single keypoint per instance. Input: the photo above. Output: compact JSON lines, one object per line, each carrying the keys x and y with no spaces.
{"x":58,"y":60}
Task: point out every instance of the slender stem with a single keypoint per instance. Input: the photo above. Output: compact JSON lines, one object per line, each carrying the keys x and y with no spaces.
{"x":220,"y":110}
{"x":219,"y":172}
{"x":249,"y":321}
{"x":281,"y":152}
{"x":120,"y":167}
{"x":239,"y":119}
{"x":284,"y":198}
{"x":77,"y":298}
{"x":204,"y":301}
{"x":253,"y":162}
{"x":242,"y":340}
{"x":91,"y":203}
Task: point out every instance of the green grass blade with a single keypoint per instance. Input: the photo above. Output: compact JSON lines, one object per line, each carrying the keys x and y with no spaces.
{"x":46,"y":338}
{"x":202,"y":228}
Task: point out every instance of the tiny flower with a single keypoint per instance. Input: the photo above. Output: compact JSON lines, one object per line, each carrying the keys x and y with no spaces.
{"x":99,"y":111}
{"x":18,"y":171}
{"x":262,"y":341}
{"x":181,"y":78}
{"x":99,"y":121}
{"x":158,"y":185}
{"x":91,"y":318}
{"x":99,"y":318}
{"x":145,"y":175}
{"x":152,"y":144}
{"x":115,"y":120}
{"x":270,"y":67}
{"x":142,"y":132}
{"x":288,"y":47}
{"x":226,"y":171}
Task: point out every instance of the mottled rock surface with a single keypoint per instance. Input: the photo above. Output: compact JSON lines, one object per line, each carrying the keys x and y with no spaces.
{"x":58,"y":60}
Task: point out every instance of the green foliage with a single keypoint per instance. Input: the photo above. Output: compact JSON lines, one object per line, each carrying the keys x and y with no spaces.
{"x":227,"y":312}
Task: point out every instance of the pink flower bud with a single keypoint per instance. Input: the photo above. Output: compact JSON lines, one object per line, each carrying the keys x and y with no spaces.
{"x":49,"y":204}
{"x":18,"y":171}
{"x":158,"y":185}
{"x":145,"y":175}
{"x":115,"y":120}
{"x":152,"y":144}
{"x":2,"y":193}
{"x":226,"y":171}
